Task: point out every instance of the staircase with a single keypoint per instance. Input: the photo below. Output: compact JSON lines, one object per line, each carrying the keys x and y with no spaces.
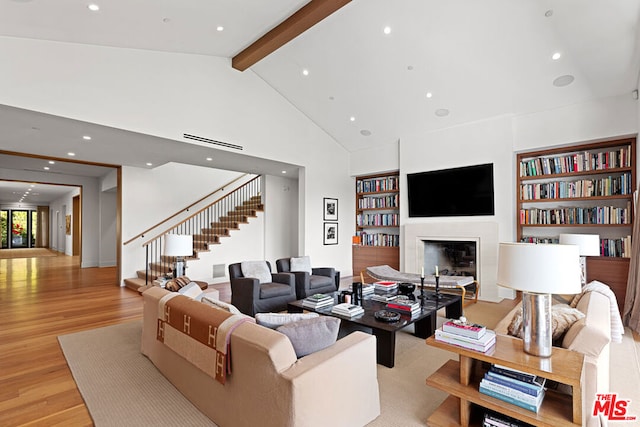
{"x":211,"y":225}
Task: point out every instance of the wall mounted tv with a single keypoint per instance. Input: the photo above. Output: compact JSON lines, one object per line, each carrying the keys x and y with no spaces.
{"x":464,"y":191}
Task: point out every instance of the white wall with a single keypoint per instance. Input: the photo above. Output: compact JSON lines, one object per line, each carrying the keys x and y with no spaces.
{"x":62,"y":207}
{"x":108,"y":228}
{"x":167,"y":94}
{"x":281,"y":218}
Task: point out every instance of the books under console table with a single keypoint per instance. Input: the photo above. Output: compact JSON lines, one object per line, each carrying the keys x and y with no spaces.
{"x":461,"y":380}
{"x":377,"y":238}
{"x":584,"y":189}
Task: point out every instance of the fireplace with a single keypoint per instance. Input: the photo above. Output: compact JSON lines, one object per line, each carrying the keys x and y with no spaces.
{"x":453,"y":257}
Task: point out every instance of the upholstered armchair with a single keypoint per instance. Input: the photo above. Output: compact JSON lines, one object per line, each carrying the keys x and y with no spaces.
{"x":255,"y":290}
{"x":309,"y":280}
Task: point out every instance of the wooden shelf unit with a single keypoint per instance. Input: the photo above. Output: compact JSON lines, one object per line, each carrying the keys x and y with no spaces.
{"x":612,"y":270}
{"x":461,"y":380}
{"x":377,"y":221}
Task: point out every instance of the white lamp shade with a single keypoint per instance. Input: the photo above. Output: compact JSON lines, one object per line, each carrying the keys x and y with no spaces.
{"x":539,"y":268}
{"x":178,"y":245}
{"x":588,"y":244}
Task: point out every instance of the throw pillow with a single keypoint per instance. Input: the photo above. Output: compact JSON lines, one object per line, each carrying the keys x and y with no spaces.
{"x":221,"y":305}
{"x":562,"y":317}
{"x":174,"y":285}
{"x":311,"y":335}
{"x":192,"y":290}
{"x":256,"y":269}
{"x":275,"y":320}
{"x":302,"y":263}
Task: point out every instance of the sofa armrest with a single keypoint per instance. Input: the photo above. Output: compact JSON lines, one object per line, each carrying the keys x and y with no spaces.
{"x":245,"y":290}
{"x":334,"y":376}
{"x":324,"y":271}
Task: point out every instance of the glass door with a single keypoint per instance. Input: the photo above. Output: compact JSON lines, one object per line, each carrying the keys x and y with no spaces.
{"x":20,"y":227}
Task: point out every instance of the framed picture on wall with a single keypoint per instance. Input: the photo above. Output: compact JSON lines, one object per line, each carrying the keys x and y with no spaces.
{"x":68,"y":224}
{"x":330,"y":209}
{"x":330,"y":233}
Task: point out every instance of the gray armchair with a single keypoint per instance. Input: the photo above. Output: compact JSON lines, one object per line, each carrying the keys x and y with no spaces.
{"x":252,"y":296}
{"x":320,"y":281}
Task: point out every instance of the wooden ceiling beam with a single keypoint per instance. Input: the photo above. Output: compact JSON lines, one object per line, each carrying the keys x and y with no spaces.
{"x":305,"y":18}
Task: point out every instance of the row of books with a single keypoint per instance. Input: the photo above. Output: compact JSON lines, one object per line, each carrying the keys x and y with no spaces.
{"x":577,"y":162}
{"x":379,"y":239}
{"x":379,"y":202}
{"x":620,"y":248}
{"x":608,"y":186}
{"x":494,"y":419}
{"x":603,"y":215}
{"x":347,"y":309}
{"x":516,"y":387}
{"x":377,"y":184}
{"x":471,"y":336}
{"x":379,"y":220}
{"x":318,"y":301}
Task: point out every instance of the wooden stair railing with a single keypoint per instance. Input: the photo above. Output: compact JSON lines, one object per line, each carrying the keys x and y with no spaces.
{"x":207,"y":226}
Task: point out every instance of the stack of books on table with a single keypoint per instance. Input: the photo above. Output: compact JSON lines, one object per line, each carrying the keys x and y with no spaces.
{"x":384,"y":297}
{"x":346,"y":309}
{"x":466,"y":335}
{"x":368,"y":289}
{"x":317,"y":301}
{"x":404,"y":306}
{"x":519,"y":388}
{"x":386,"y":286}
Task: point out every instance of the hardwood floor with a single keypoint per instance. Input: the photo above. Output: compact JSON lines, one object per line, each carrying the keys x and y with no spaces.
{"x":41,"y":298}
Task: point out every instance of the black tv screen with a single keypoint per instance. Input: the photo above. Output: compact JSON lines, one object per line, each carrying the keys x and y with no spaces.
{"x":465,"y":191}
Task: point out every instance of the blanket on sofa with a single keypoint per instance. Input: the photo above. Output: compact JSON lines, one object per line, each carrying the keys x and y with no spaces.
{"x":199,"y":333}
{"x":617,"y":328}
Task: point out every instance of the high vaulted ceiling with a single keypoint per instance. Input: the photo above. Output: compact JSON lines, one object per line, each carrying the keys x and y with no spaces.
{"x":368,"y":87}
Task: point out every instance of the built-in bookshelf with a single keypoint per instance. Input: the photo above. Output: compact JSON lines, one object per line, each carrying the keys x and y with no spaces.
{"x":584,"y":189}
{"x":377,"y":237}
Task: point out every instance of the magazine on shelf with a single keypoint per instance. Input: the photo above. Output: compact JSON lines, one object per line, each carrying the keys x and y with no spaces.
{"x":483,"y":344}
{"x":508,"y":399}
{"x":517,"y":375}
{"x":513,"y":393}
{"x":532,"y":389}
{"x":459,"y":327}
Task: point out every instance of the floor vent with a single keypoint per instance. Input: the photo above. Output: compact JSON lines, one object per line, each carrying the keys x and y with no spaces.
{"x":213,"y":141}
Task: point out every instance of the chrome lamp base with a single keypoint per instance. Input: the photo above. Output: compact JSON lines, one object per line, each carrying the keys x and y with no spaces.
{"x":536,"y":324}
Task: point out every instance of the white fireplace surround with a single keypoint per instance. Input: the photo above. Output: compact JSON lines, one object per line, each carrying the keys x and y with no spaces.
{"x":485,"y":234}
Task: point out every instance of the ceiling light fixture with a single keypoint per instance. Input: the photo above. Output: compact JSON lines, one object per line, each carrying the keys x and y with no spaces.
{"x":429,"y":94}
{"x":46,"y":168}
{"x":365,"y":132}
{"x":442,"y":112}
{"x":556,"y":56}
{"x":219,"y":28}
{"x":284,"y":171}
{"x":387,"y":30}
{"x":86,"y":138}
{"x":71,"y":154}
{"x":94,"y":7}
{"x":149,"y":164}
{"x":353,"y":119}
{"x":305,"y":72}
{"x":565,"y":80}
{"x":51,"y":162}
{"x":209,"y":159}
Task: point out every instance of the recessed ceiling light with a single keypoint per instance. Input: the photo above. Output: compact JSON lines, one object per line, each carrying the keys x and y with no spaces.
{"x":563,"y":80}
{"x":284,"y":171}
{"x":353,"y":119}
{"x":442,"y":112}
{"x":149,"y":164}
{"x":429,"y":94}
{"x":365,"y":132}
{"x":387,"y":30}
{"x":209,"y":159}
{"x":556,"y":56}
{"x":32,"y":185}
{"x":219,"y":28}
{"x":410,"y":67}
{"x":94,"y":7}
{"x":86,"y":138}
{"x":51,"y":162}
{"x":71,"y":154}
{"x":46,"y":168}
{"x":305,"y":72}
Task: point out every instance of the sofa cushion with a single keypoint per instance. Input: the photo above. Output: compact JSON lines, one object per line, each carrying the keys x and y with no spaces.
{"x":311,"y":335}
{"x":271,"y":290}
{"x":220,"y":304}
{"x":302,"y":263}
{"x":275,"y":320}
{"x":562,"y":318}
{"x":257,"y":270}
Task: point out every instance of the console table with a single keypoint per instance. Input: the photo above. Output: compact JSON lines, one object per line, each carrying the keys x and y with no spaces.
{"x":461,"y":380}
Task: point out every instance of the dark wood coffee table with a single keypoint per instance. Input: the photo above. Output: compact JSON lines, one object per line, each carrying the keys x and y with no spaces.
{"x":424,"y":321}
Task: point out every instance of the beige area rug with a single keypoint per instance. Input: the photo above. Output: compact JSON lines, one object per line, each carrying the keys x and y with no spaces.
{"x":122,"y":388}
{"x":27,"y":253}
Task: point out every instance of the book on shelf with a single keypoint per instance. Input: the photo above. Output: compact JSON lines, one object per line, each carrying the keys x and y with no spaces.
{"x":525,"y":387}
{"x":512,"y":392}
{"x":385,"y":286}
{"x":482,"y":344}
{"x":512,"y":400}
{"x":472,"y":330}
{"x":494,"y":419}
{"x":518,"y":375}
{"x":347,"y":309}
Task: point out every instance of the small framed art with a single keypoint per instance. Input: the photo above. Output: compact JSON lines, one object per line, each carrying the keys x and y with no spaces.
{"x":330,"y":233}
{"x":330,"y":209}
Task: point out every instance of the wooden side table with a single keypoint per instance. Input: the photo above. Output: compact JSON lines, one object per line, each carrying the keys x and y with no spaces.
{"x":461,"y":380}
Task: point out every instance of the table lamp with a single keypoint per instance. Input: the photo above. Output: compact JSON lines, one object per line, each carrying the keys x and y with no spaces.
{"x":538,"y":270}
{"x":588,"y":245}
{"x":179,"y":246}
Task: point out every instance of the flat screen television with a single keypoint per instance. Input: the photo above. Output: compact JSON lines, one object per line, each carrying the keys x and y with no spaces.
{"x":464,"y":191}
